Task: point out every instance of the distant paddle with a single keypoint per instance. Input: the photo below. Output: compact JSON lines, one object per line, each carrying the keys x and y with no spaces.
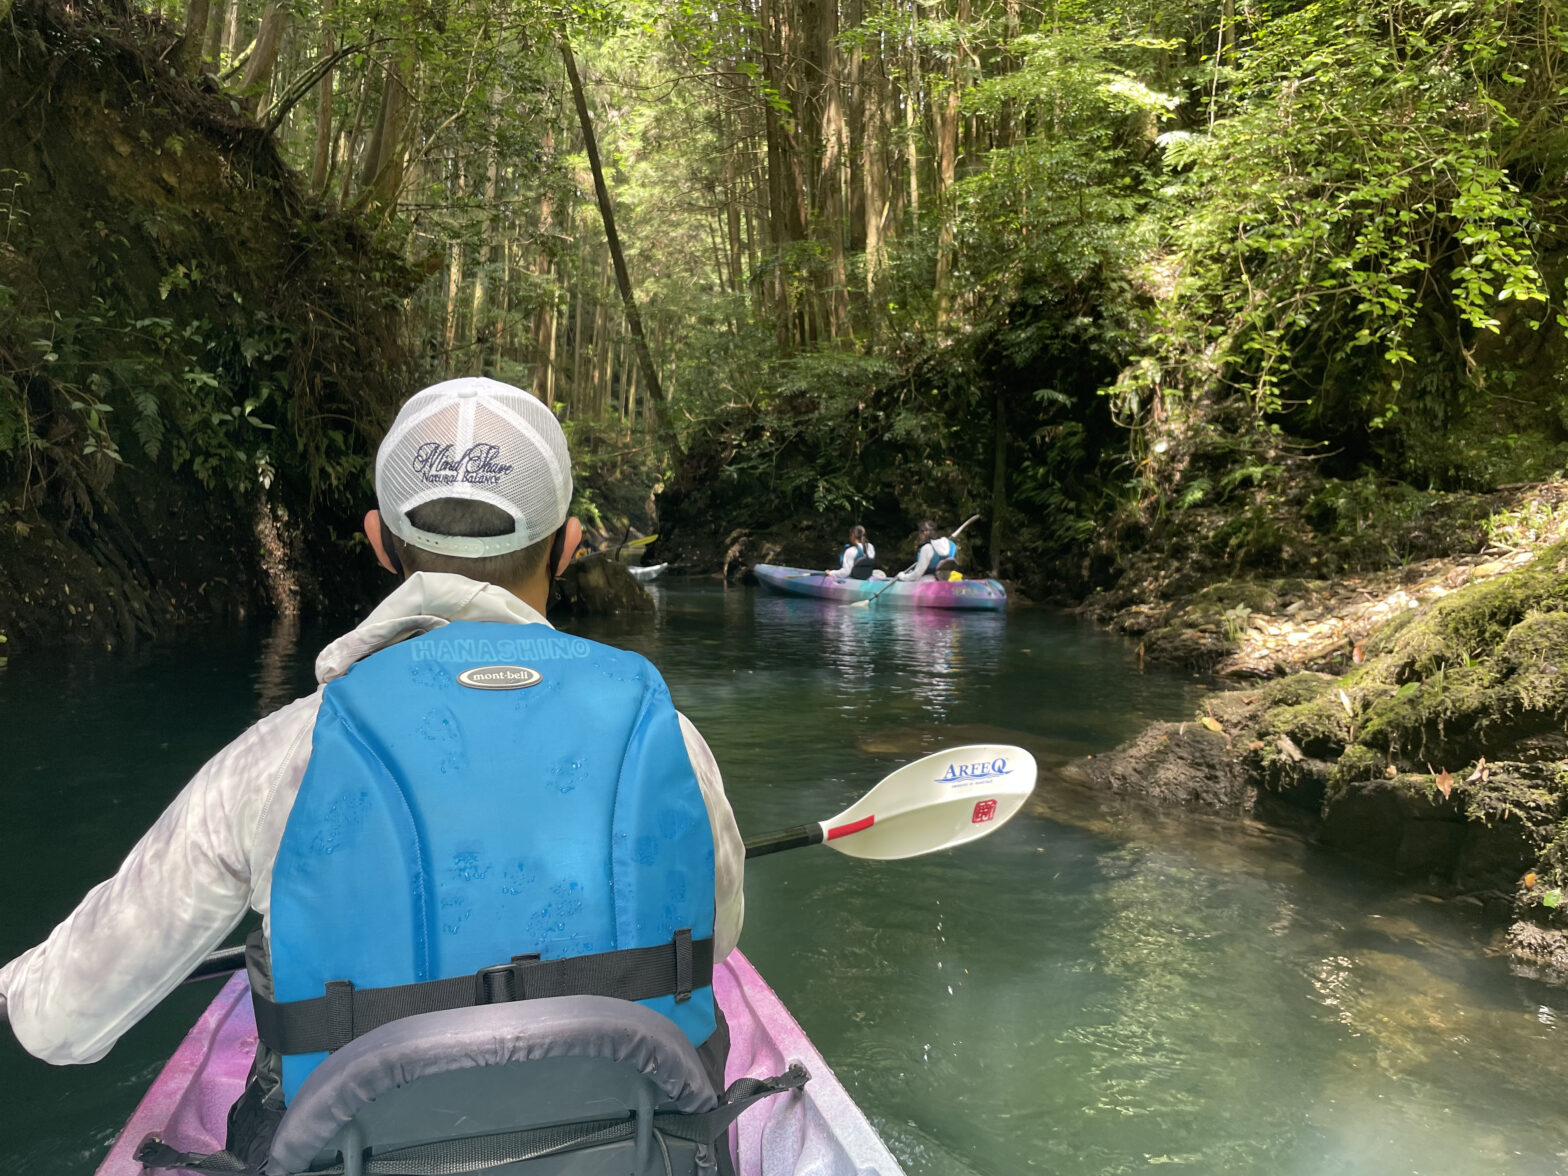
{"x":866,"y":603}
{"x":943,"y":800}
{"x":935,"y":803}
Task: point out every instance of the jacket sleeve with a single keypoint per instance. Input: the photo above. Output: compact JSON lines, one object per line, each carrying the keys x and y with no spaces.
{"x":924,"y":561}
{"x":729,"y":852}
{"x":180,"y":891}
{"x":842,"y":571}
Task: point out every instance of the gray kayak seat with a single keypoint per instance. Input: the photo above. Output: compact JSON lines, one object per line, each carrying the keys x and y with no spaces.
{"x":579,"y":1085}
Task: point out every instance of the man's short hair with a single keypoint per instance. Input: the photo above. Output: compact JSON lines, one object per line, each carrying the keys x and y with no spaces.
{"x":470,"y":518}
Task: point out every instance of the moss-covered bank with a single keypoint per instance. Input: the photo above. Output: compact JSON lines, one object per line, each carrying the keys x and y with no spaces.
{"x":1437,"y":751}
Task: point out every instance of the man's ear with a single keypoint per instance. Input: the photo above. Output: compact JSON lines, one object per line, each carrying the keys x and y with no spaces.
{"x":373,"y":531}
{"x":574,"y":536}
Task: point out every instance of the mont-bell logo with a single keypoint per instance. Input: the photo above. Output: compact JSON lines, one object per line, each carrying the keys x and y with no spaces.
{"x":499,"y":678}
{"x":478,"y":465}
{"x":972,"y":773}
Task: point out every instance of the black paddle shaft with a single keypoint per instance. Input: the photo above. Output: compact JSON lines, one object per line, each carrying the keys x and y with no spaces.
{"x":784,"y":839}
{"x":232,"y":959}
{"x":219,"y":963}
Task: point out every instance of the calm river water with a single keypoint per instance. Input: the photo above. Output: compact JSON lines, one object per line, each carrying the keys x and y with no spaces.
{"x":1092,"y":990}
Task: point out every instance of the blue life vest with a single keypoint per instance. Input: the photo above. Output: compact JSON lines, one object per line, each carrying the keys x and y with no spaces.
{"x":941,"y":556}
{"x":446,"y":824}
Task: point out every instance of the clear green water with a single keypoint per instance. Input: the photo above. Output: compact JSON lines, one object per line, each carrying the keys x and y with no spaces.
{"x":1094,"y":989}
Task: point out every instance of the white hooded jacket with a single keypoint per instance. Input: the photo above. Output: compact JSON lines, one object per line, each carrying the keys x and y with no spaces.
{"x":187,"y":883}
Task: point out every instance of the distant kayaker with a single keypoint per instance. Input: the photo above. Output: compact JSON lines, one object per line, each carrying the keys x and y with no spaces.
{"x":937,"y":558}
{"x":859,"y":559}
{"x":457,"y":796}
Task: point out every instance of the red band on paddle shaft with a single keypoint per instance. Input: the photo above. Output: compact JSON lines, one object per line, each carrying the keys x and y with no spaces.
{"x":852,"y":827}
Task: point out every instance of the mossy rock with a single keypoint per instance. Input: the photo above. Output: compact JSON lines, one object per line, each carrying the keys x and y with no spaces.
{"x":600,"y":586}
{"x":1359,"y":762}
{"x":1319,"y":726}
{"x":1437,"y":720}
{"x":1293,"y":690}
{"x":1249,"y":594}
{"x":1194,"y":646}
{"x":1472,"y":622}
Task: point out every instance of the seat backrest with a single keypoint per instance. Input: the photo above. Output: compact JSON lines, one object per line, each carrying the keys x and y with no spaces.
{"x":540,"y":1087}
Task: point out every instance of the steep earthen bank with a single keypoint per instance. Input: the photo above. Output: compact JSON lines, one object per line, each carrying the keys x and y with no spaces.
{"x":195,"y":358}
{"x":1421,"y":722}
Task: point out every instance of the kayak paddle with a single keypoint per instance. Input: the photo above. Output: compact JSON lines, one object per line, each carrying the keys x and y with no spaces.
{"x":866,"y":603}
{"x":935,"y":803}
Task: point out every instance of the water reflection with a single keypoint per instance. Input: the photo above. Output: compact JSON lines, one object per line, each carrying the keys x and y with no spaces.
{"x":277,"y":669}
{"x":918,"y":657}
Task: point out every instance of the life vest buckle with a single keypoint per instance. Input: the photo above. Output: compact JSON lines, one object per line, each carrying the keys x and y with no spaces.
{"x":503,"y":983}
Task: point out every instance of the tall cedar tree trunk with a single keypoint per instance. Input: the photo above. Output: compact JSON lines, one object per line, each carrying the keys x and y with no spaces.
{"x":544,"y":317}
{"x":382,"y":176}
{"x":195,"y":37}
{"x":623,"y":280}
{"x":821,"y":113}
{"x":350,"y":144}
{"x":947,"y":170}
{"x":323,"y":159}
{"x":231,"y":31}
{"x":834,"y":215}
{"x":264,"y":57}
{"x":874,"y":172}
{"x":854,"y":12}
{"x":998,"y":486}
{"x":912,"y":122}
{"x":487,"y":333}
{"x":577,"y":328}
{"x":212,"y":43}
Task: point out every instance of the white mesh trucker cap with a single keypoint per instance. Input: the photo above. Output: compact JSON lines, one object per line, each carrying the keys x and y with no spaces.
{"x":478,"y":439}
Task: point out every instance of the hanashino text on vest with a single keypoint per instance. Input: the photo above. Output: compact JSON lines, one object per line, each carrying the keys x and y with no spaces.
{"x":537,"y":830}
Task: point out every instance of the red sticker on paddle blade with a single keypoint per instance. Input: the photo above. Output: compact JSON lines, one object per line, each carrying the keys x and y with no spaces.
{"x":985,"y":810}
{"x":852,"y":827}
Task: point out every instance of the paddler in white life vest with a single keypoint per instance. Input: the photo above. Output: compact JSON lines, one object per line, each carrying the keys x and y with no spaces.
{"x":859,"y":559}
{"x":476,"y":778}
{"x":937,"y":558}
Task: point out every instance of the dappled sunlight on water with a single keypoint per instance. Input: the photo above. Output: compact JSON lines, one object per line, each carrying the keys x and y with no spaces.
{"x":1095,"y":989}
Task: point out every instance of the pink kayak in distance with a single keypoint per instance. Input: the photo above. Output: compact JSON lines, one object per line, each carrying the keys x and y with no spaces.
{"x":816,"y":1130}
{"x":986,"y":595}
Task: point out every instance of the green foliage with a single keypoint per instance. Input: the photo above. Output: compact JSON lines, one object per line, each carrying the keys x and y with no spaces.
{"x":1357,"y":196}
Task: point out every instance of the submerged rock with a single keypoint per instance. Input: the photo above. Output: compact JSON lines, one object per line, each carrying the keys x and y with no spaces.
{"x":598,"y":586}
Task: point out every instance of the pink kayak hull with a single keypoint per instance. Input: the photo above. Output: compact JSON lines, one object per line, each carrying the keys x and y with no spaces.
{"x":964,"y":595}
{"x":816,"y":1132}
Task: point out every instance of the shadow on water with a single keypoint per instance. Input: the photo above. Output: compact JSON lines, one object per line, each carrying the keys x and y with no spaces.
{"x":1095,"y":989}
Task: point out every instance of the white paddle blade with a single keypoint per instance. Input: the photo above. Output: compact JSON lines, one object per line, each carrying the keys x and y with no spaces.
{"x":935,"y":803}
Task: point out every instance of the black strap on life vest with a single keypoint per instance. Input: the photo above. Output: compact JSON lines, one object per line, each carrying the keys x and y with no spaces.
{"x":482,"y":1152}
{"x":331,"y":1021}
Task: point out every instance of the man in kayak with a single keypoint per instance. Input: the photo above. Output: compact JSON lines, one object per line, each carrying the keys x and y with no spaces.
{"x":468,"y":798}
{"x":859,"y":559}
{"x":937,"y":558}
